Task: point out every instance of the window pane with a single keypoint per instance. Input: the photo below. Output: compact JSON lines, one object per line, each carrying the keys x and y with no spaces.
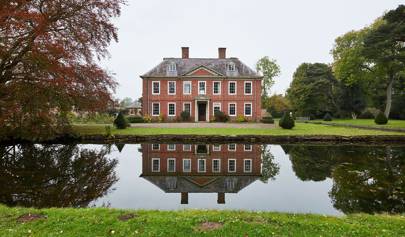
{"x":187,"y":165}
{"x":215,"y":165}
{"x":156,"y":109}
{"x":187,"y":88}
{"x":172,"y":110}
{"x":248,"y":166}
{"x":232,"y":88}
{"x":232,"y":109}
{"x":187,"y":107}
{"x":172,"y":87}
{"x":216,"y":87}
{"x":155,"y":146}
{"x":171,"y":165}
{"x":202,"y":87}
{"x":248,"y":109}
{"x":232,"y":147}
{"x":201,"y":165}
{"x":232,"y":165}
{"x":155,"y":165}
{"x":248,"y":88}
{"x":156,"y":87}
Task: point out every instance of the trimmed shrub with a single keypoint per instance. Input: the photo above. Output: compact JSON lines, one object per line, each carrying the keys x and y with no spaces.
{"x":327,"y":117}
{"x":381,"y":119}
{"x":241,"y":119}
{"x":185,"y":116}
{"x":286,"y":122}
{"x":267,"y":119}
{"x":147,"y":119}
{"x":135,"y":119}
{"x":120,"y":122}
{"x":221,"y":117}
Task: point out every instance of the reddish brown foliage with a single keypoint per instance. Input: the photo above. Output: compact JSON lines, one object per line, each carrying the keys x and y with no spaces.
{"x":47,"y":61}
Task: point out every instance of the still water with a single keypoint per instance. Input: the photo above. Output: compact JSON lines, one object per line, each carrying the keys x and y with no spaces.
{"x":332,"y":180}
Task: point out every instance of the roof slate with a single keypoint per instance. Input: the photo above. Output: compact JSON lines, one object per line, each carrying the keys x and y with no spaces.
{"x":185,"y":65}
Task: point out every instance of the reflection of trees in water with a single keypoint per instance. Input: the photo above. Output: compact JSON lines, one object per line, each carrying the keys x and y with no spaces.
{"x":365,"y":179}
{"x":269,"y":168}
{"x":54,"y":175}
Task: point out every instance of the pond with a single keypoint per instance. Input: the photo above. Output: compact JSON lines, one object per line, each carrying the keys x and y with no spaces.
{"x":323,"y":179}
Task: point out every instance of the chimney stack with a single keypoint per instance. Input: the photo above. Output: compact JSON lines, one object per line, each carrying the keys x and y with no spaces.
{"x":222,"y":53}
{"x":184,"y":52}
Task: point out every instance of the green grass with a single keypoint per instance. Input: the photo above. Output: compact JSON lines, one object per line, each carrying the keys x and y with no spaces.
{"x":370,"y":122}
{"x":105,"y":222}
{"x":299,"y":129}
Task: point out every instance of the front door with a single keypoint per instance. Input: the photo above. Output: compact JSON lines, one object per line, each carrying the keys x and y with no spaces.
{"x":202,"y":111}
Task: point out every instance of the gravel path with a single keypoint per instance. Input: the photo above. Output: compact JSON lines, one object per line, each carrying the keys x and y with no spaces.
{"x":202,"y":125}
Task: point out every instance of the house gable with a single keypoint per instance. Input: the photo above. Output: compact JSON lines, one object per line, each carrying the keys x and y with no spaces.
{"x":202,"y":71}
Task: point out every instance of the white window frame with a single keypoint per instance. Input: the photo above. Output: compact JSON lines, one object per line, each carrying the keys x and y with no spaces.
{"x":229,"y":109}
{"x":184,"y":86}
{"x":231,"y":67}
{"x":229,"y":88}
{"x":198,"y":166}
{"x":156,"y":149}
{"x":172,"y":67}
{"x":251,"y":109}
{"x":158,"y":159}
{"x":168,"y":88}
{"x":153,"y":92}
{"x":169,"y":149}
{"x":219,"y":166}
{"x":244,"y":166}
{"x":184,"y":147}
{"x":205,"y":87}
{"x":168,"y":109}
{"x":184,"y":170}
{"x":184,"y":107}
{"x":229,"y":148}
{"x":215,"y":149}
{"x":251,"y":87}
{"x":174,"y":168}
{"x":153,"y":114}
{"x":229,"y":161}
{"x":251,"y":147}
{"x":215,"y":104}
{"x":219,"y":89}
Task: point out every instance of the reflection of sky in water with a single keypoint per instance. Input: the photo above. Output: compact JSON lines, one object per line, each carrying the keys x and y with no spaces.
{"x":285,"y":194}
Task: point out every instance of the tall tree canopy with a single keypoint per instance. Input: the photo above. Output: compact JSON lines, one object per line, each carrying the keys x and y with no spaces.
{"x":47,"y":62}
{"x":270,"y":69}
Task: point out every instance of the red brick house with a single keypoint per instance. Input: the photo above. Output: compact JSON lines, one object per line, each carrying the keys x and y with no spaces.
{"x":200,"y":168}
{"x":202,"y":86}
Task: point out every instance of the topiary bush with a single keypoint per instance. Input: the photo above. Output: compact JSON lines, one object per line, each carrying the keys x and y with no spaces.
{"x":267,"y":119}
{"x":135,"y":119}
{"x":221,"y":117}
{"x":185,"y":116}
{"x":241,"y":119}
{"x":327,"y":117}
{"x":381,"y":119}
{"x":120,"y":122}
{"x":286,"y":122}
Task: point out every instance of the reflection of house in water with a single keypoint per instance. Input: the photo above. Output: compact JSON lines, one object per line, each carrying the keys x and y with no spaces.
{"x":192,"y":168}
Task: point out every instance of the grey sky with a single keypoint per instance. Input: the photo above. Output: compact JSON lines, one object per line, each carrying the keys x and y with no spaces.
{"x":290,"y":31}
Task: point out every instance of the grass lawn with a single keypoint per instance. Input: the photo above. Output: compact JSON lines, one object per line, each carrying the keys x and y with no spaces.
{"x":370,"y":122}
{"x":113,"y":222}
{"x":299,"y":129}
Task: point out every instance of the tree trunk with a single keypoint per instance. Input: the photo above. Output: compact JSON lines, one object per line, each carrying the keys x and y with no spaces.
{"x":389,"y":98}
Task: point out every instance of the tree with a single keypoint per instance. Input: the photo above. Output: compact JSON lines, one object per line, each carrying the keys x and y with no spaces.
{"x":47,"y":62}
{"x":120,"y":121}
{"x":312,"y":91}
{"x":270,"y":169}
{"x":270,"y":69}
{"x":385,"y":48}
{"x":276,"y":105}
{"x":125,"y":102}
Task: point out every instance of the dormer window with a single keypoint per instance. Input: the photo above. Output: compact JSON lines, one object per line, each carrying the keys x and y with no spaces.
{"x":171,"y":69}
{"x":231,"y":67}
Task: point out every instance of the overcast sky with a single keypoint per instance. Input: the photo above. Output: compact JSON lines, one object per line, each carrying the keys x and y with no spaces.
{"x":290,"y":31}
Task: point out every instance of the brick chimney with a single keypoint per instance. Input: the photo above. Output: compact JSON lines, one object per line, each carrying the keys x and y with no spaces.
{"x":222,"y":53}
{"x":184,"y":52}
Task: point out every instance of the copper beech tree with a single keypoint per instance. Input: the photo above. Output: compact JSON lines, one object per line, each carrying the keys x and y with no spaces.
{"x":48,"y":54}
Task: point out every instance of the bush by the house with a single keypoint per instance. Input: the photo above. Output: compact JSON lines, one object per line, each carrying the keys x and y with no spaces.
{"x":147,"y":119}
{"x":327,"y":117}
{"x":135,"y":119}
{"x":241,"y":119}
{"x":221,"y":117}
{"x":185,"y":116}
{"x":381,"y":119}
{"x":161,"y":118}
{"x":286,"y":122}
{"x":267,"y":119}
{"x":120,"y":122}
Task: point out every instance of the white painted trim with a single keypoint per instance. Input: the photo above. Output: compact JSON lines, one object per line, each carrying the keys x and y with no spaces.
{"x":168,"y":88}
{"x":229,"y":88}
{"x":229,"y":166}
{"x":213,"y":148}
{"x":156,"y":149}
{"x":205,"y":87}
{"x":219,"y":166}
{"x":251,"y":109}
{"x":168,"y":160}
{"x":184,"y":170}
{"x":159,"y":88}
{"x":158,"y":159}
{"x":187,"y":145}
{"x":229,"y":109}
{"x":191,"y":87}
{"x":168,"y":110}
{"x":213,"y":106}
{"x":251,"y":147}
{"x":159,"y":108}
{"x":168,"y":145}
{"x":251,"y":163}
{"x":251,"y":87}
{"x":198,"y":166}
{"x":229,"y":149}
{"x":219,"y":91}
